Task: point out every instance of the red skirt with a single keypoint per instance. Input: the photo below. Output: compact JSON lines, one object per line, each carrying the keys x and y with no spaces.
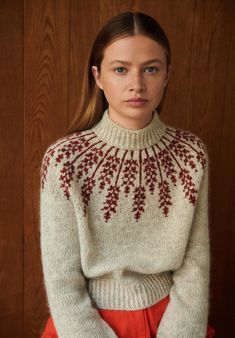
{"x":130,"y":324}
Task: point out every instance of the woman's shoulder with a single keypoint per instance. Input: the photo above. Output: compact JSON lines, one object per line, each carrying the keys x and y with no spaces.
{"x":61,"y":148}
{"x":187,"y":146}
{"x":58,"y":158}
{"x":185,"y":135}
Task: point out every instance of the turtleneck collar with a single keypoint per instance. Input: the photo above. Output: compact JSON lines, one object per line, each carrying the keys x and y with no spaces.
{"x":116,"y":135}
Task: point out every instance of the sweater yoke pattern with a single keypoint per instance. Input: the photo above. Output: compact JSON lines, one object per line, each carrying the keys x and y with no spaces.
{"x":84,"y":157}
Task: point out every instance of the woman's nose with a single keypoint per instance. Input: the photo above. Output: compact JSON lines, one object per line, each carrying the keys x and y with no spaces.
{"x":137,"y":82}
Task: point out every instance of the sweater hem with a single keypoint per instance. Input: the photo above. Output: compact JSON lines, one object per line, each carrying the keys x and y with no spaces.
{"x":113,"y":295}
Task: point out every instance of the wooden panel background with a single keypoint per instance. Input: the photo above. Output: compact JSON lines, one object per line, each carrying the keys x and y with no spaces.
{"x":43,"y":47}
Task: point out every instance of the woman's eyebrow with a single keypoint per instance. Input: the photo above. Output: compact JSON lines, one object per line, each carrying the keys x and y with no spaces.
{"x":143,"y":64}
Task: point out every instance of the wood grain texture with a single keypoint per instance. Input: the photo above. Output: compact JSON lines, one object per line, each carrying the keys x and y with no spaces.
{"x":221,"y":123}
{"x":11,"y":169}
{"x":44,"y":48}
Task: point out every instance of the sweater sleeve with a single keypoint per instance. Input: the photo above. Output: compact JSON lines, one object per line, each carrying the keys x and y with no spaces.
{"x":68,"y":299}
{"x":187,"y":312}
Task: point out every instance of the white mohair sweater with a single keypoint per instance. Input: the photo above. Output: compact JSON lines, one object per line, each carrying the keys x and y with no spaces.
{"x":124,"y":223}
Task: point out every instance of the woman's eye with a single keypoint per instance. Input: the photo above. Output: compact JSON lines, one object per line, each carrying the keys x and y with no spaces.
{"x":119,"y":69}
{"x":152,"y":69}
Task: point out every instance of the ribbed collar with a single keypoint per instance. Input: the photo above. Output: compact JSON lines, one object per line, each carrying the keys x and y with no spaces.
{"x":116,"y":135}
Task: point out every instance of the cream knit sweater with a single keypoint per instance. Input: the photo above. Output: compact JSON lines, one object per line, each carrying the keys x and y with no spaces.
{"x":124,"y":223}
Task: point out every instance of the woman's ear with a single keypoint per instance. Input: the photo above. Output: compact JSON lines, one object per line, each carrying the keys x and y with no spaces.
{"x":97,"y":76}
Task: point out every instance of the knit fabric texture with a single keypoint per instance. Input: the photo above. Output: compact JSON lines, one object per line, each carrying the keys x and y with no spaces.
{"x":123,"y":223}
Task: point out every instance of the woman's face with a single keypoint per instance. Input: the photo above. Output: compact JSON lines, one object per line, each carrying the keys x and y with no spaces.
{"x":132,"y":67}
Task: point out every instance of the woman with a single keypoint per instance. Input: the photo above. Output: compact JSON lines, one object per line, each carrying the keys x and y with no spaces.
{"x":124,"y":201}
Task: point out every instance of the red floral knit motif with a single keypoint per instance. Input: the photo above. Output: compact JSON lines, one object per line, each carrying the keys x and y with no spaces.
{"x":85,"y":159}
{"x":129,"y":172}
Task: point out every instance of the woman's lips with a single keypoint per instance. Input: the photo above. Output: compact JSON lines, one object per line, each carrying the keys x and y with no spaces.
{"x":136,"y":103}
{"x":140,"y":99}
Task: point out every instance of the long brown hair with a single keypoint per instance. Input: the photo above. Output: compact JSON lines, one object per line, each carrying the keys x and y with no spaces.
{"x":93,"y":102}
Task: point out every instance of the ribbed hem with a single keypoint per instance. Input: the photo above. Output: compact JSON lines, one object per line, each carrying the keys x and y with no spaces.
{"x":116,"y":135}
{"x":114,"y":295}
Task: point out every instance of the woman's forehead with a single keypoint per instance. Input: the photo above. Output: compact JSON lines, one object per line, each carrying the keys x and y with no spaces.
{"x":137,"y":47}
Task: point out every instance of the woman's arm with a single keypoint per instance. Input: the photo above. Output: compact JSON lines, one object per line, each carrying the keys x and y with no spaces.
{"x":187,"y":312}
{"x":68,"y":300}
